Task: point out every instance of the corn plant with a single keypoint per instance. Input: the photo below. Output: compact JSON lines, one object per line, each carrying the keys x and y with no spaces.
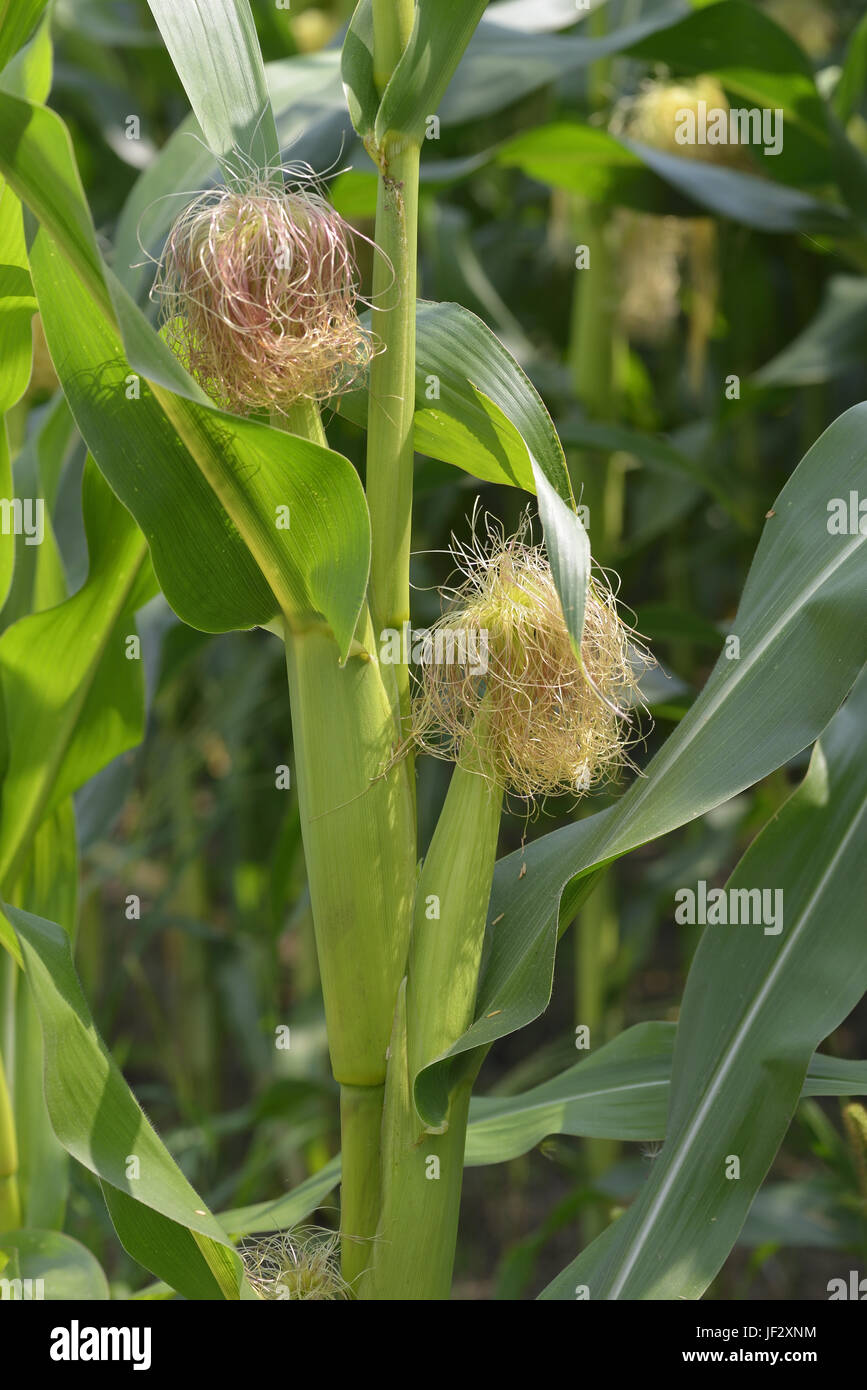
{"x":203,"y":361}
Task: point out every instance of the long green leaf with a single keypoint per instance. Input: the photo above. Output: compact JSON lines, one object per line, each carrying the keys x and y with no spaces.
{"x":441,"y":32}
{"x":197,"y":463}
{"x":474,"y":406}
{"x":215,"y":49}
{"x":49,"y":887}
{"x":73,"y":699}
{"x":18,"y":19}
{"x":802,"y":629}
{"x":17,"y":305}
{"x":99,"y":1122}
{"x":743,"y":1043}
{"x":66,"y":1268}
{"x":620,"y":1092}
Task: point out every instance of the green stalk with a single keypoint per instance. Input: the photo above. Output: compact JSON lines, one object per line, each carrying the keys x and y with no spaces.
{"x":596,"y":946}
{"x":357,"y":810}
{"x":359,"y":842}
{"x":422,"y":1174}
{"x":591,"y":360}
{"x":303,"y":418}
{"x":391,"y":405}
{"x":360,"y":1130}
{"x":423,"y":1170}
{"x":358,"y":827}
{"x":10,"y":1205}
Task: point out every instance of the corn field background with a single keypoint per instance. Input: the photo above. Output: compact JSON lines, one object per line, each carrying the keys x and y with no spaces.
{"x":213,"y":886}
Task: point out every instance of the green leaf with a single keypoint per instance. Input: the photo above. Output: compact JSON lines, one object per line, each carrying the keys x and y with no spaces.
{"x":181,"y":458}
{"x":474,"y":406}
{"x":17,"y":306}
{"x":99,"y":1122}
{"x":500,"y":65}
{"x":588,"y":160}
{"x":756,"y":202}
{"x":39,"y":579}
{"x":18,"y":19}
{"x":487,"y":418}
{"x":36,"y":157}
{"x":49,"y":887}
{"x":619,"y":1092}
{"x":17,"y":303}
{"x":568,"y":548}
{"x":286,"y":1211}
{"x":215,"y":49}
{"x":73,"y":700}
{"x":356,"y":68}
{"x":742,"y":1050}
{"x":66,"y":1269}
{"x":440,"y":34}
{"x":802,"y":629}
{"x":852,"y":81}
{"x":832,"y":343}
{"x":30,"y":72}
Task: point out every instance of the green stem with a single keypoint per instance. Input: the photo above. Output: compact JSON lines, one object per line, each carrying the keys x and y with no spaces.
{"x":596,"y":947}
{"x":391,"y":407}
{"x":422,"y":1175}
{"x":423,"y":1165}
{"x":591,"y":361}
{"x":357,"y":809}
{"x":360,"y":1134}
{"x":10,"y":1205}
{"x":303,"y":418}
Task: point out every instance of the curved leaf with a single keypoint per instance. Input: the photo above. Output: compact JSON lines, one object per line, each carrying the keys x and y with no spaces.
{"x":474,"y":406}
{"x":73,"y":700}
{"x":66,"y":1269}
{"x":18,"y":19}
{"x":802,"y":629}
{"x":743,"y":1046}
{"x":418,"y":83}
{"x":620,"y":1092}
{"x":99,"y":1122}
{"x":185,"y":467}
